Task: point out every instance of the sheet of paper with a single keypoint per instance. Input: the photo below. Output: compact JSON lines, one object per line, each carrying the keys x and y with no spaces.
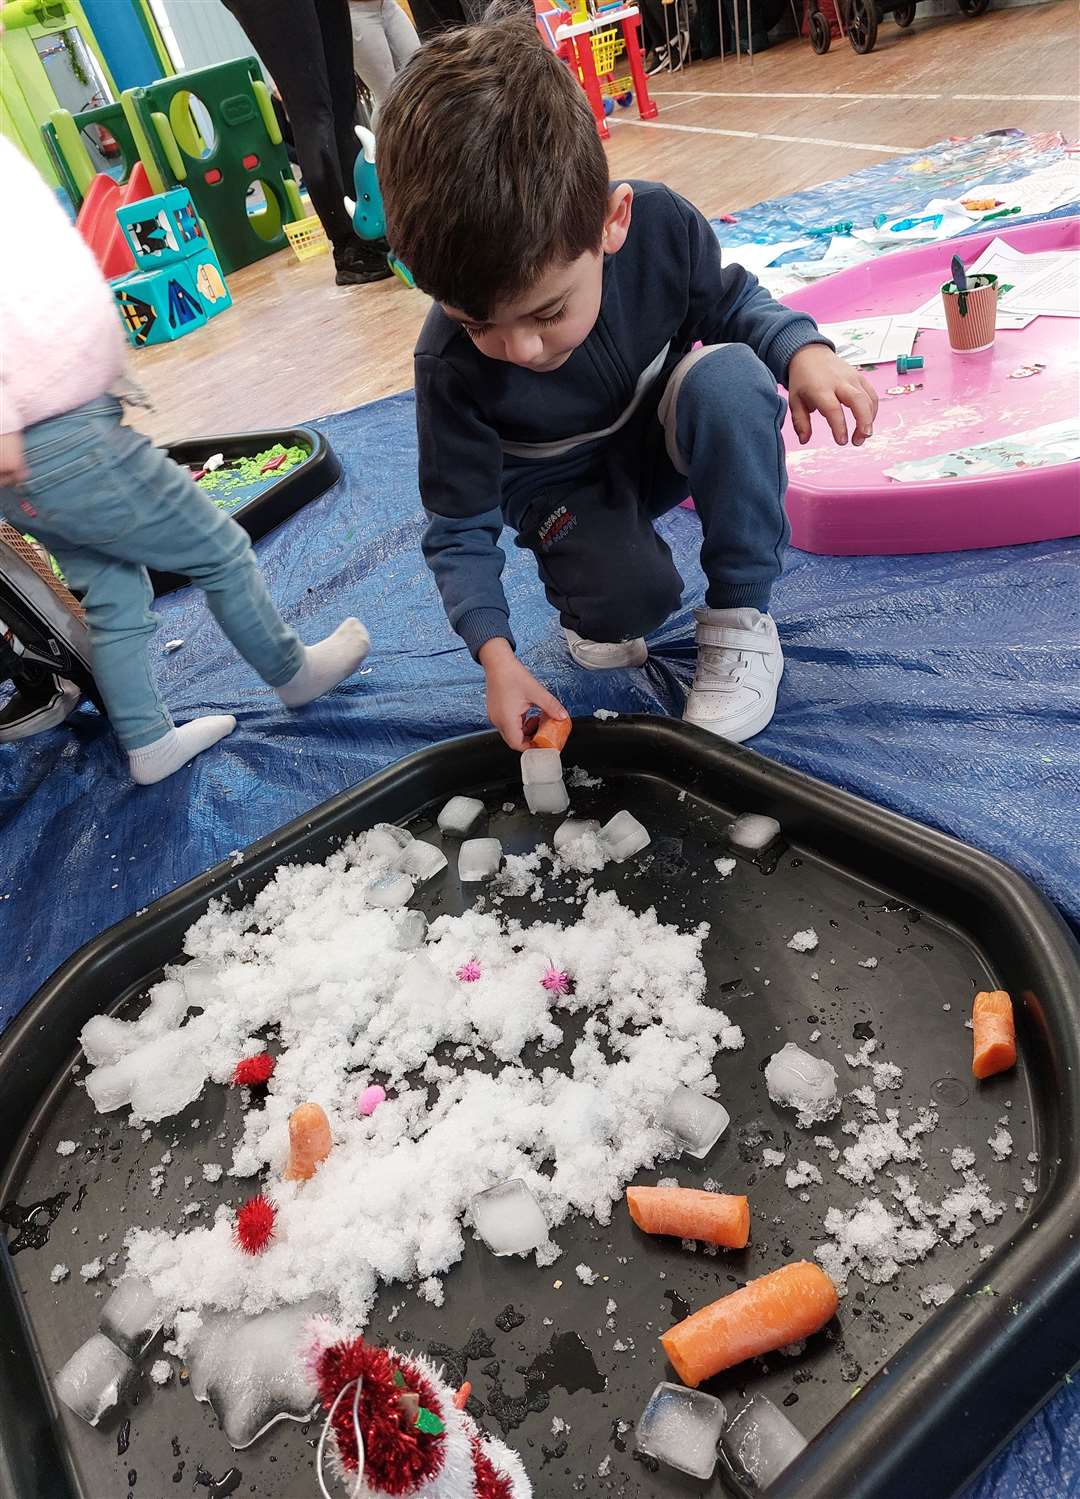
{"x":1058,"y":442}
{"x":757,"y":257}
{"x":1050,"y":291}
{"x":1055,"y":186}
{"x":916,"y":228}
{"x":872,"y":340}
{"x":1013,"y":268}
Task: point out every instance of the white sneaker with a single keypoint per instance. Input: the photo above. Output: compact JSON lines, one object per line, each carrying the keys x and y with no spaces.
{"x":740,"y":664}
{"x":602,"y":655}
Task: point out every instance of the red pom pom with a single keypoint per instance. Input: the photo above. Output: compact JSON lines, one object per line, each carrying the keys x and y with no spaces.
{"x":252,"y":1072}
{"x":398,"y":1456}
{"x":255,"y":1224}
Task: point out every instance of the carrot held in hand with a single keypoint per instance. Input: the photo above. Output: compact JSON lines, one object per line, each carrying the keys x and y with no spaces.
{"x":994,"y":1032}
{"x":711,"y":1217}
{"x":767,"y":1313}
{"x":552,"y":733}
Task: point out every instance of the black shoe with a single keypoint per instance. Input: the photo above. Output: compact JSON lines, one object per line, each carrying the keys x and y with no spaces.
{"x":358,"y":264}
{"x":37,"y":705}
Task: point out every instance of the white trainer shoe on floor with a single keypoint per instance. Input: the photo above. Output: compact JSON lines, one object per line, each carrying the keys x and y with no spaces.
{"x":740,"y":664}
{"x":600,"y":655}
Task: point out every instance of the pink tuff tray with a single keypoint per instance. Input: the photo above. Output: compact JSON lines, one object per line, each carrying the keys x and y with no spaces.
{"x":840,"y":501}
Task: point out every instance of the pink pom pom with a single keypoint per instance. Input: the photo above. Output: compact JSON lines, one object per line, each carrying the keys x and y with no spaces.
{"x":370,"y":1100}
{"x":556,"y":981}
{"x":469,"y":972}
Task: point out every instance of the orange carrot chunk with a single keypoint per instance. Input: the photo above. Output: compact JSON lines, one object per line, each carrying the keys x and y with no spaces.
{"x":309,"y":1141}
{"x":994,"y":1032}
{"x":552,"y":733}
{"x":681,"y":1212}
{"x":767,"y":1313}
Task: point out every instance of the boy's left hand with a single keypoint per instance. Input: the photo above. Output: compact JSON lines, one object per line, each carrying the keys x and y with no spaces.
{"x":819,"y":380}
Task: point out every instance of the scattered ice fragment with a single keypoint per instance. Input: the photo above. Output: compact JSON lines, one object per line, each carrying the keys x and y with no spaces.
{"x":804,"y":941}
{"x":253,"y":1370}
{"x":93,"y":1269}
{"x":95,"y":1378}
{"x":888,"y":1077}
{"x":605,"y":1467}
{"x":159,"y":1078}
{"x":868,"y":962}
{"x":603,"y":713}
{"x":59,"y":1273}
{"x":390,"y":891}
{"x":612,"y":1307}
{"x":986,"y":1251}
{"x":580,"y":779}
{"x":623,"y":837}
{"x":696,"y":1122}
{"x":410,"y":930}
{"x":212,"y":1172}
{"x":762,"y":1442}
{"x":66,"y":1147}
{"x":861,"y":1058}
{"x":806,"y":1083}
{"x":881,"y":1142}
{"x":956,"y":1213}
{"x":773,"y":1157}
{"x":479,"y":859}
{"x":460,"y":815}
{"x":131,"y":1317}
{"x":802,"y":1175}
{"x":422,"y":861}
{"x":962,"y":1158}
{"x":586,"y":1274}
{"x":541,"y":767}
{"x":161,"y":1371}
{"x":937,"y":1294}
{"x":546,"y":798}
{"x":1029,"y":1184}
{"x":682,"y":1428}
{"x":509,"y":1219}
{"x":753,"y":832}
{"x":724,"y":867}
{"x":871,"y":1241}
{"x":1001,"y":1143}
{"x":387,"y":841}
{"x":572,"y":829}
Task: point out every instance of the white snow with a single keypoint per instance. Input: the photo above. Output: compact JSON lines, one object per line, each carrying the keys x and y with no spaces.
{"x":724,"y":867}
{"x":772,"y":1157}
{"x":66,"y":1147}
{"x":804,"y":941}
{"x":803,"y":1082}
{"x":1001,"y":1143}
{"x":868,"y":962}
{"x":937,"y":1294}
{"x":93,"y":1269}
{"x":586,"y":1274}
{"x":802,"y":1175}
{"x":161,"y":1371}
{"x":59,"y":1273}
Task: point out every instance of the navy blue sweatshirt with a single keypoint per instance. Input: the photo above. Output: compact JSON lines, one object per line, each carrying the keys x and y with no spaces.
{"x":666,"y":287}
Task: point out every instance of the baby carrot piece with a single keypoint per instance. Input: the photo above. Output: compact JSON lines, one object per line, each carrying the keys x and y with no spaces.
{"x":681,"y":1212}
{"x":552,"y":733}
{"x":995,"y":1034}
{"x":767,"y":1313}
{"x":309,"y":1142}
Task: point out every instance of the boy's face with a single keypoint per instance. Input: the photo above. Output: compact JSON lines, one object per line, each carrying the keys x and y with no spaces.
{"x":540,"y":329}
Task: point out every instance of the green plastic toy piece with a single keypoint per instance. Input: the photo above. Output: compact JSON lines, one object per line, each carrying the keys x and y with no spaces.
{"x":19,"y":13}
{"x":169,"y":146}
{"x":429,"y":1423}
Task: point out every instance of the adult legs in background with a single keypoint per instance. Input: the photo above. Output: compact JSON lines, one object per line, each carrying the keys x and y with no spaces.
{"x":383,"y":41}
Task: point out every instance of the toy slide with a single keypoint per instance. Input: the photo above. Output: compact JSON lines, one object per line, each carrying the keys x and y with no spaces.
{"x":96,"y":221}
{"x":841,"y":501}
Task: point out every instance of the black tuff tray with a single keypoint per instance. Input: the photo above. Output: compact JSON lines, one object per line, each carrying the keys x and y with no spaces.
{"x":936,"y":1391}
{"x":281,"y":499}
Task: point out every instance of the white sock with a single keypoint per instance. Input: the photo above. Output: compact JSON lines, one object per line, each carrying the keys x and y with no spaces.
{"x":327,"y":664}
{"x":156,"y":761}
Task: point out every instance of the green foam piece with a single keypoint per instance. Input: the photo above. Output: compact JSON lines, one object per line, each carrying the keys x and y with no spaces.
{"x":429,"y":1423}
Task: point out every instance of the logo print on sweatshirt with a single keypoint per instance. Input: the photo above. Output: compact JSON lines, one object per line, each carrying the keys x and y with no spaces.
{"x":558,"y":524}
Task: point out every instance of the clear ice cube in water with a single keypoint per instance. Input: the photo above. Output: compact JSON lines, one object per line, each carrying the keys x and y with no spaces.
{"x":479,"y":859}
{"x":682,"y":1428}
{"x":97,"y":1376}
{"x":798,"y":1080}
{"x":410,"y":929}
{"x":541,"y":767}
{"x":509,"y":1219}
{"x":696,"y":1122}
{"x":753,"y":832}
{"x":761,"y":1441}
{"x":390,"y":891}
{"x":572,"y":830}
{"x":253,"y":1370}
{"x":422,"y":861}
{"x":131,"y":1317}
{"x":386,"y":841}
{"x":546,"y":798}
{"x":623,"y":837}
{"x":460,"y":815}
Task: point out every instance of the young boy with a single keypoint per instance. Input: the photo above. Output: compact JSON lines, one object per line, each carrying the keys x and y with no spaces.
{"x":559,"y":390}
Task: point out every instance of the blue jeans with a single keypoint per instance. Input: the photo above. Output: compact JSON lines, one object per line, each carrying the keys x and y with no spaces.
{"x":108,"y":505}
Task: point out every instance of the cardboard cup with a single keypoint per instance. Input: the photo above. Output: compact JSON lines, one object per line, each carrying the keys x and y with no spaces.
{"x":971,"y":315}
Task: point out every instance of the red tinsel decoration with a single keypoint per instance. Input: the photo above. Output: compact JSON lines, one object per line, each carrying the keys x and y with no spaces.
{"x":488,"y":1483}
{"x":397,"y":1455}
{"x":255,"y":1224}
{"x":253,"y":1072}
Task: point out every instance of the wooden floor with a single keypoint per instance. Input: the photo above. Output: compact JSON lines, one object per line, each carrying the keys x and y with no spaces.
{"x":729,"y":134}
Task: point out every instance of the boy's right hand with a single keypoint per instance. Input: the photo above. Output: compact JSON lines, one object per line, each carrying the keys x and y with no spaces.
{"x":512,"y":691}
{"x":12,"y":459}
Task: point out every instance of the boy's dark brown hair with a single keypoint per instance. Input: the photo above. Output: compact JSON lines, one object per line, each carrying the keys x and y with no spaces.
{"x":490,"y":165}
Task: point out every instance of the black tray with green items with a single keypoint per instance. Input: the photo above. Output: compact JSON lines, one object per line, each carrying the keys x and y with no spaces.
{"x":898,"y":1398}
{"x":264,"y":478}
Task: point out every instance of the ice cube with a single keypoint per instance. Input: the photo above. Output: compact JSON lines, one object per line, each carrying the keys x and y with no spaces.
{"x":460,"y":815}
{"x":546,"y":798}
{"x":752,"y":832}
{"x":479,"y":859}
{"x":131,"y":1317}
{"x":201,"y":982}
{"x":386,"y":841}
{"x":541,"y":767}
{"x":509,"y":1219}
{"x":253,"y":1371}
{"x":761,"y":1441}
{"x":95,"y":1378}
{"x":623,"y":837}
{"x":390,"y":890}
{"x":682,"y":1428}
{"x":106,"y":1040}
{"x":157,"y":1079}
{"x":696,"y":1122}
{"x":573,"y":829}
{"x":422,"y":861}
{"x":410,"y":929}
{"x":797,"y":1080}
